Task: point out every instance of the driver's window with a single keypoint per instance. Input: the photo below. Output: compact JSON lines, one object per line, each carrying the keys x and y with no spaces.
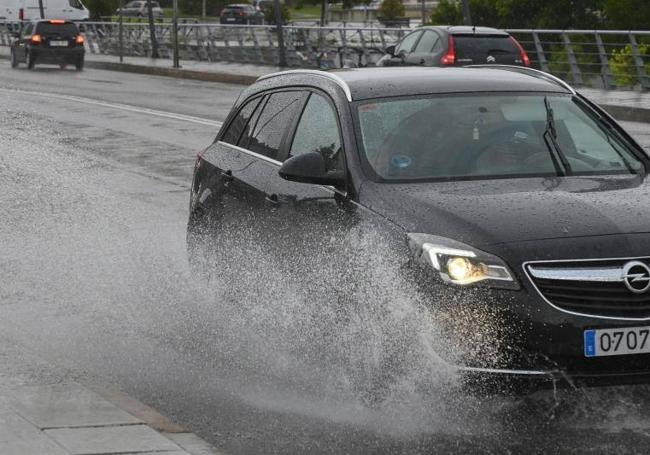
{"x":318,"y":131}
{"x":407,"y":43}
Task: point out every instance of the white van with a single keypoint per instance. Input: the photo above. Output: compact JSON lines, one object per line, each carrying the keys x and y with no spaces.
{"x":17,"y":10}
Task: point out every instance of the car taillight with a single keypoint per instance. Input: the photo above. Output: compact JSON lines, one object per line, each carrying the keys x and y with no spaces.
{"x":524,"y":55}
{"x":450,"y":57}
{"x":21,"y":14}
{"x":36,"y":39}
{"x":57,"y":21}
{"x":80,"y":39}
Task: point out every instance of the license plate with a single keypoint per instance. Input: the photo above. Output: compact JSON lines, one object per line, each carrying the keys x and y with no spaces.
{"x":59,"y":43}
{"x":605,"y":342}
{"x":230,"y":19}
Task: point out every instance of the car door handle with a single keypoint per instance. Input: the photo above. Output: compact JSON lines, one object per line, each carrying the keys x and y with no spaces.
{"x":271,"y":200}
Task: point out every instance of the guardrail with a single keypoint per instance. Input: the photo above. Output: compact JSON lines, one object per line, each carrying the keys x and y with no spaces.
{"x":593,"y":58}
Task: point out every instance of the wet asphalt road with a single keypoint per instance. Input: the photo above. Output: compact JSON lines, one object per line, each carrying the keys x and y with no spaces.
{"x":93,"y":203}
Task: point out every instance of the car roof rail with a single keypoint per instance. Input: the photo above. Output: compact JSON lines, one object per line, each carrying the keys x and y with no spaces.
{"x":530,"y":71}
{"x":331,"y":76}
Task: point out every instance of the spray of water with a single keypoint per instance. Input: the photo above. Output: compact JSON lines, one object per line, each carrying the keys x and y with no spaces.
{"x":94,"y":262}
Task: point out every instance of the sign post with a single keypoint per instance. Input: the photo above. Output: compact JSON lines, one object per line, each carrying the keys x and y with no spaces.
{"x":175,"y":36}
{"x":282,"y":57}
{"x":121,"y":31}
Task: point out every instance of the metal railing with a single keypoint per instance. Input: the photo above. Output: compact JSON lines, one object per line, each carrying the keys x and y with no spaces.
{"x":311,"y":47}
{"x":592,"y":58}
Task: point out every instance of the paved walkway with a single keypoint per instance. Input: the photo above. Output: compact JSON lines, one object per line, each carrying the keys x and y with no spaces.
{"x":44,"y":411}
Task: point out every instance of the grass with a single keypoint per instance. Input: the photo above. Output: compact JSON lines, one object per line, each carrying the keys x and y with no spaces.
{"x":306,"y":12}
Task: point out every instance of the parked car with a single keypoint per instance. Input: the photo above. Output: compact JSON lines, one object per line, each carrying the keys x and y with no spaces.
{"x":455,"y":46}
{"x":141,"y":9}
{"x":514,"y":208}
{"x":27,"y":10}
{"x":54,"y":42}
{"x":241,"y":14}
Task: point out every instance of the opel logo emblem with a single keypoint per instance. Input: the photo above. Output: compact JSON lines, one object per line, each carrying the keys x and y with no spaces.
{"x":491,"y":59}
{"x":636,"y":276}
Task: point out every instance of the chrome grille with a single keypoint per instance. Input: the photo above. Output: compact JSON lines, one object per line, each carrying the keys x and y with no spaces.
{"x":594,"y":288}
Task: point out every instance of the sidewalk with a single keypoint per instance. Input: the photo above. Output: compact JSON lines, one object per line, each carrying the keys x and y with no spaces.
{"x":44,"y":411}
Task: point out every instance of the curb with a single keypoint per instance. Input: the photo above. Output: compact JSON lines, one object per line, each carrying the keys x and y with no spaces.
{"x":179,"y":73}
{"x":180,"y":435}
{"x":627,"y":113}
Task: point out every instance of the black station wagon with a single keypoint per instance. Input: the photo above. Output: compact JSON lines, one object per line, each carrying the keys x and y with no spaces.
{"x":513,"y":208}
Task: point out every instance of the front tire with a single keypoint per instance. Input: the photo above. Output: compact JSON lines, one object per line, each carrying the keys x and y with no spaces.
{"x":14,"y":59}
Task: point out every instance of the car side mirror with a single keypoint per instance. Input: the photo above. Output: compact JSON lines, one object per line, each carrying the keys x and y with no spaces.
{"x":390,"y":49}
{"x":310,"y":168}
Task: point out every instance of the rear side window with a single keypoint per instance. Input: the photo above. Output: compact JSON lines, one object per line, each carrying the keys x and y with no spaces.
{"x":240,"y":124}
{"x":28,"y":30}
{"x":426,"y":43}
{"x":477,"y":48}
{"x":273,"y":122}
{"x":48,"y":29}
{"x":407,"y":43}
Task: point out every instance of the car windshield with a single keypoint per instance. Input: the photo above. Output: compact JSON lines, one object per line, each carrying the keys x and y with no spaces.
{"x":455,"y":137}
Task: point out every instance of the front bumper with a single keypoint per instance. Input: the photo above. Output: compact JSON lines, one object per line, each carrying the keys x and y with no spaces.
{"x":526,"y":381}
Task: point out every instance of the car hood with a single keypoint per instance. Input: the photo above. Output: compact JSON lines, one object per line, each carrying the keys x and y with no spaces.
{"x":489,"y":212}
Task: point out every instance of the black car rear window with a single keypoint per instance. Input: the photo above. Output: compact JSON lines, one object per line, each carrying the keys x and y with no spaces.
{"x":67,"y":29}
{"x":478,"y":47}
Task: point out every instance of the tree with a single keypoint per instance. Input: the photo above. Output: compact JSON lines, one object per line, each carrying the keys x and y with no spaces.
{"x":391,"y":9}
{"x":447,"y":13}
{"x":560,"y":14}
{"x":269,"y":13}
{"x":627,"y":14}
{"x":101,"y":8}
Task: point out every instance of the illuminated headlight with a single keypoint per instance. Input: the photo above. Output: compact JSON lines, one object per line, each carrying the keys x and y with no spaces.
{"x":461,"y":264}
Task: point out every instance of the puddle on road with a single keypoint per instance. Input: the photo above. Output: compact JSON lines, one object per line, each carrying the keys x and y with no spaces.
{"x":95,"y":273}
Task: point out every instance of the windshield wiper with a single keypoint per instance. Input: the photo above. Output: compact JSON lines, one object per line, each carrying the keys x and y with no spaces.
{"x":560,"y":162}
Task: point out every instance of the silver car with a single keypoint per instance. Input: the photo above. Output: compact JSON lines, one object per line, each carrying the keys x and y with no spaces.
{"x":140,"y":9}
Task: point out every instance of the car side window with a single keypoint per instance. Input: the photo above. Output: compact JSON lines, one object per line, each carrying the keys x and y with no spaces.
{"x":240,"y":125}
{"x":426,"y":43}
{"x":274,"y":121}
{"x":27,"y":31}
{"x":76,"y":4}
{"x":318,"y":131}
{"x":407,"y":43}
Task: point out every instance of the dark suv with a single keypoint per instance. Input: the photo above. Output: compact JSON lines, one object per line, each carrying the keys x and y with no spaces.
{"x":508,"y":207}
{"x":52,"y":41}
{"x":456,"y":46}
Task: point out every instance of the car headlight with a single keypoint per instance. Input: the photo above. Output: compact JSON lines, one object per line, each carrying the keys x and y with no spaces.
{"x":461,"y":264}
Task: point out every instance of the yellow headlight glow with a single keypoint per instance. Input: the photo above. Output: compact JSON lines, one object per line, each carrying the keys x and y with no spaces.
{"x":463,"y":271}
